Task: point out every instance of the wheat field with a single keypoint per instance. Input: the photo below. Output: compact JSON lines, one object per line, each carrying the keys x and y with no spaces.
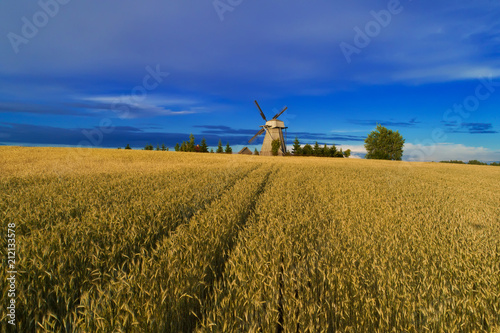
{"x":151,"y":241}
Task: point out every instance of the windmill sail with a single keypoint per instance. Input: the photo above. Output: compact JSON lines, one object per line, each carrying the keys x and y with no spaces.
{"x":261,"y":113}
{"x":279,"y":114}
{"x":256,"y":135}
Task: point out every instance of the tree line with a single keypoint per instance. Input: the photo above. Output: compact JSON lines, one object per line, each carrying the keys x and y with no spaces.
{"x":190,"y":146}
{"x":317,"y":150}
{"x":472,"y":162}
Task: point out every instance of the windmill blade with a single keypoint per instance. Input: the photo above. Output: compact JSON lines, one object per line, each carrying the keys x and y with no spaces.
{"x":261,"y":113}
{"x":279,"y":114}
{"x":262,"y":130}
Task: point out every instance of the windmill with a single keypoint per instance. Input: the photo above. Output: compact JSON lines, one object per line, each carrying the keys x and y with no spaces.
{"x":274,"y":131}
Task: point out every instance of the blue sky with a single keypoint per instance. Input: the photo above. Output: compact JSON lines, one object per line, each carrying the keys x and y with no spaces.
{"x":109,"y":73}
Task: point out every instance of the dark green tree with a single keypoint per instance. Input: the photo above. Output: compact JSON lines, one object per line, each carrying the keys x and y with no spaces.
{"x":219,"y":150}
{"x":256,"y":152}
{"x":157,"y":147}
{"x":183,"y":146}
{"x":275,"y":147}
{"x":317,"y":150}
{"x":347,"y":153}
{"x":333,"y":151}
{"x":191,"y":145}
{"x":203,"y":146}
{"x":307,"y":150}
{"x":211,"y":151}
{"x":128,"y":146}
{"x":296,"y":150}
{"x":476,"y":162}
{"x":326,"y":151}
{"x":384,"y":144}
{"x":177,"y":147}
{"x":228,"y":150}
{"x":453,"y":161}
{"x":163,"y":148}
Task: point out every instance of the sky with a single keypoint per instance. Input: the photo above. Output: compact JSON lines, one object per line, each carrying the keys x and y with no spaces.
{"x":111,"y":73}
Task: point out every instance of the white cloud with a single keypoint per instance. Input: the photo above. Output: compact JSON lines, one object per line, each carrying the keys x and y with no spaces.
{"x":130,"y":107}
{"x":357,"y":151}
{"x":448,"y":151}
{"x":446,"y":73}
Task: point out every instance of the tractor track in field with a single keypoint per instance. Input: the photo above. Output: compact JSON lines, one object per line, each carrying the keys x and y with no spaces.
{"x":220,"y":265}
{"x":188,"y":318}
{"x":105,"y":278}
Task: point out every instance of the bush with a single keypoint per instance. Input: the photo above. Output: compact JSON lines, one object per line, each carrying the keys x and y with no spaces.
{"x":275,"y":147}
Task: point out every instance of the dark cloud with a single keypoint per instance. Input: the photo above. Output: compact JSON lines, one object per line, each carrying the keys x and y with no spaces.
{"x":100,"y":137}
{"x":224,"y":130}
{"x":470,"y":128}
{"x":21,"y":107}
{"x":411,"y":123}
{"x":118,"y":136}
{"x":303,"y":136}
{"x":309,"y":137}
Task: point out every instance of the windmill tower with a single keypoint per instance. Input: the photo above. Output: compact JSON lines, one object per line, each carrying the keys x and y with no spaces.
{"x":274,"y":131}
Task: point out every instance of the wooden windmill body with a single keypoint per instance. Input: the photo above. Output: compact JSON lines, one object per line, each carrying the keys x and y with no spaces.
{"x":274,"y":131}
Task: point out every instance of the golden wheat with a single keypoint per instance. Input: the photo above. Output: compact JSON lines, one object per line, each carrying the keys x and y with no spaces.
{"x":138,"y":241}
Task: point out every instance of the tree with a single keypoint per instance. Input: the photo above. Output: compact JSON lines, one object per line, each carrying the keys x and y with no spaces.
{"x":476,"y":162}
{"x":275,"y":147}
{"x":333,"y":151}
{"x":219,"y":150}
{"x":157,"y":147}
{"x":128,"y":146}
{"x":296,"y":150}
{"x":228,"y":150}
{"x":453,"y":161}
{"x":177,"y":147}
{"x":190,"y":145}
{"x":347,"y":153}
{"x":211,"y":150}
{"x":163,"y":148}
{"x":203,"y":146}
{"x":384,"y":144}
{"x":307,"y":150}
{"x":326,"y":151}
{"x":316,"y":149}
{"x":183,"y":146}
{"x":148,"y":147}
{"x":256,"y":152}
